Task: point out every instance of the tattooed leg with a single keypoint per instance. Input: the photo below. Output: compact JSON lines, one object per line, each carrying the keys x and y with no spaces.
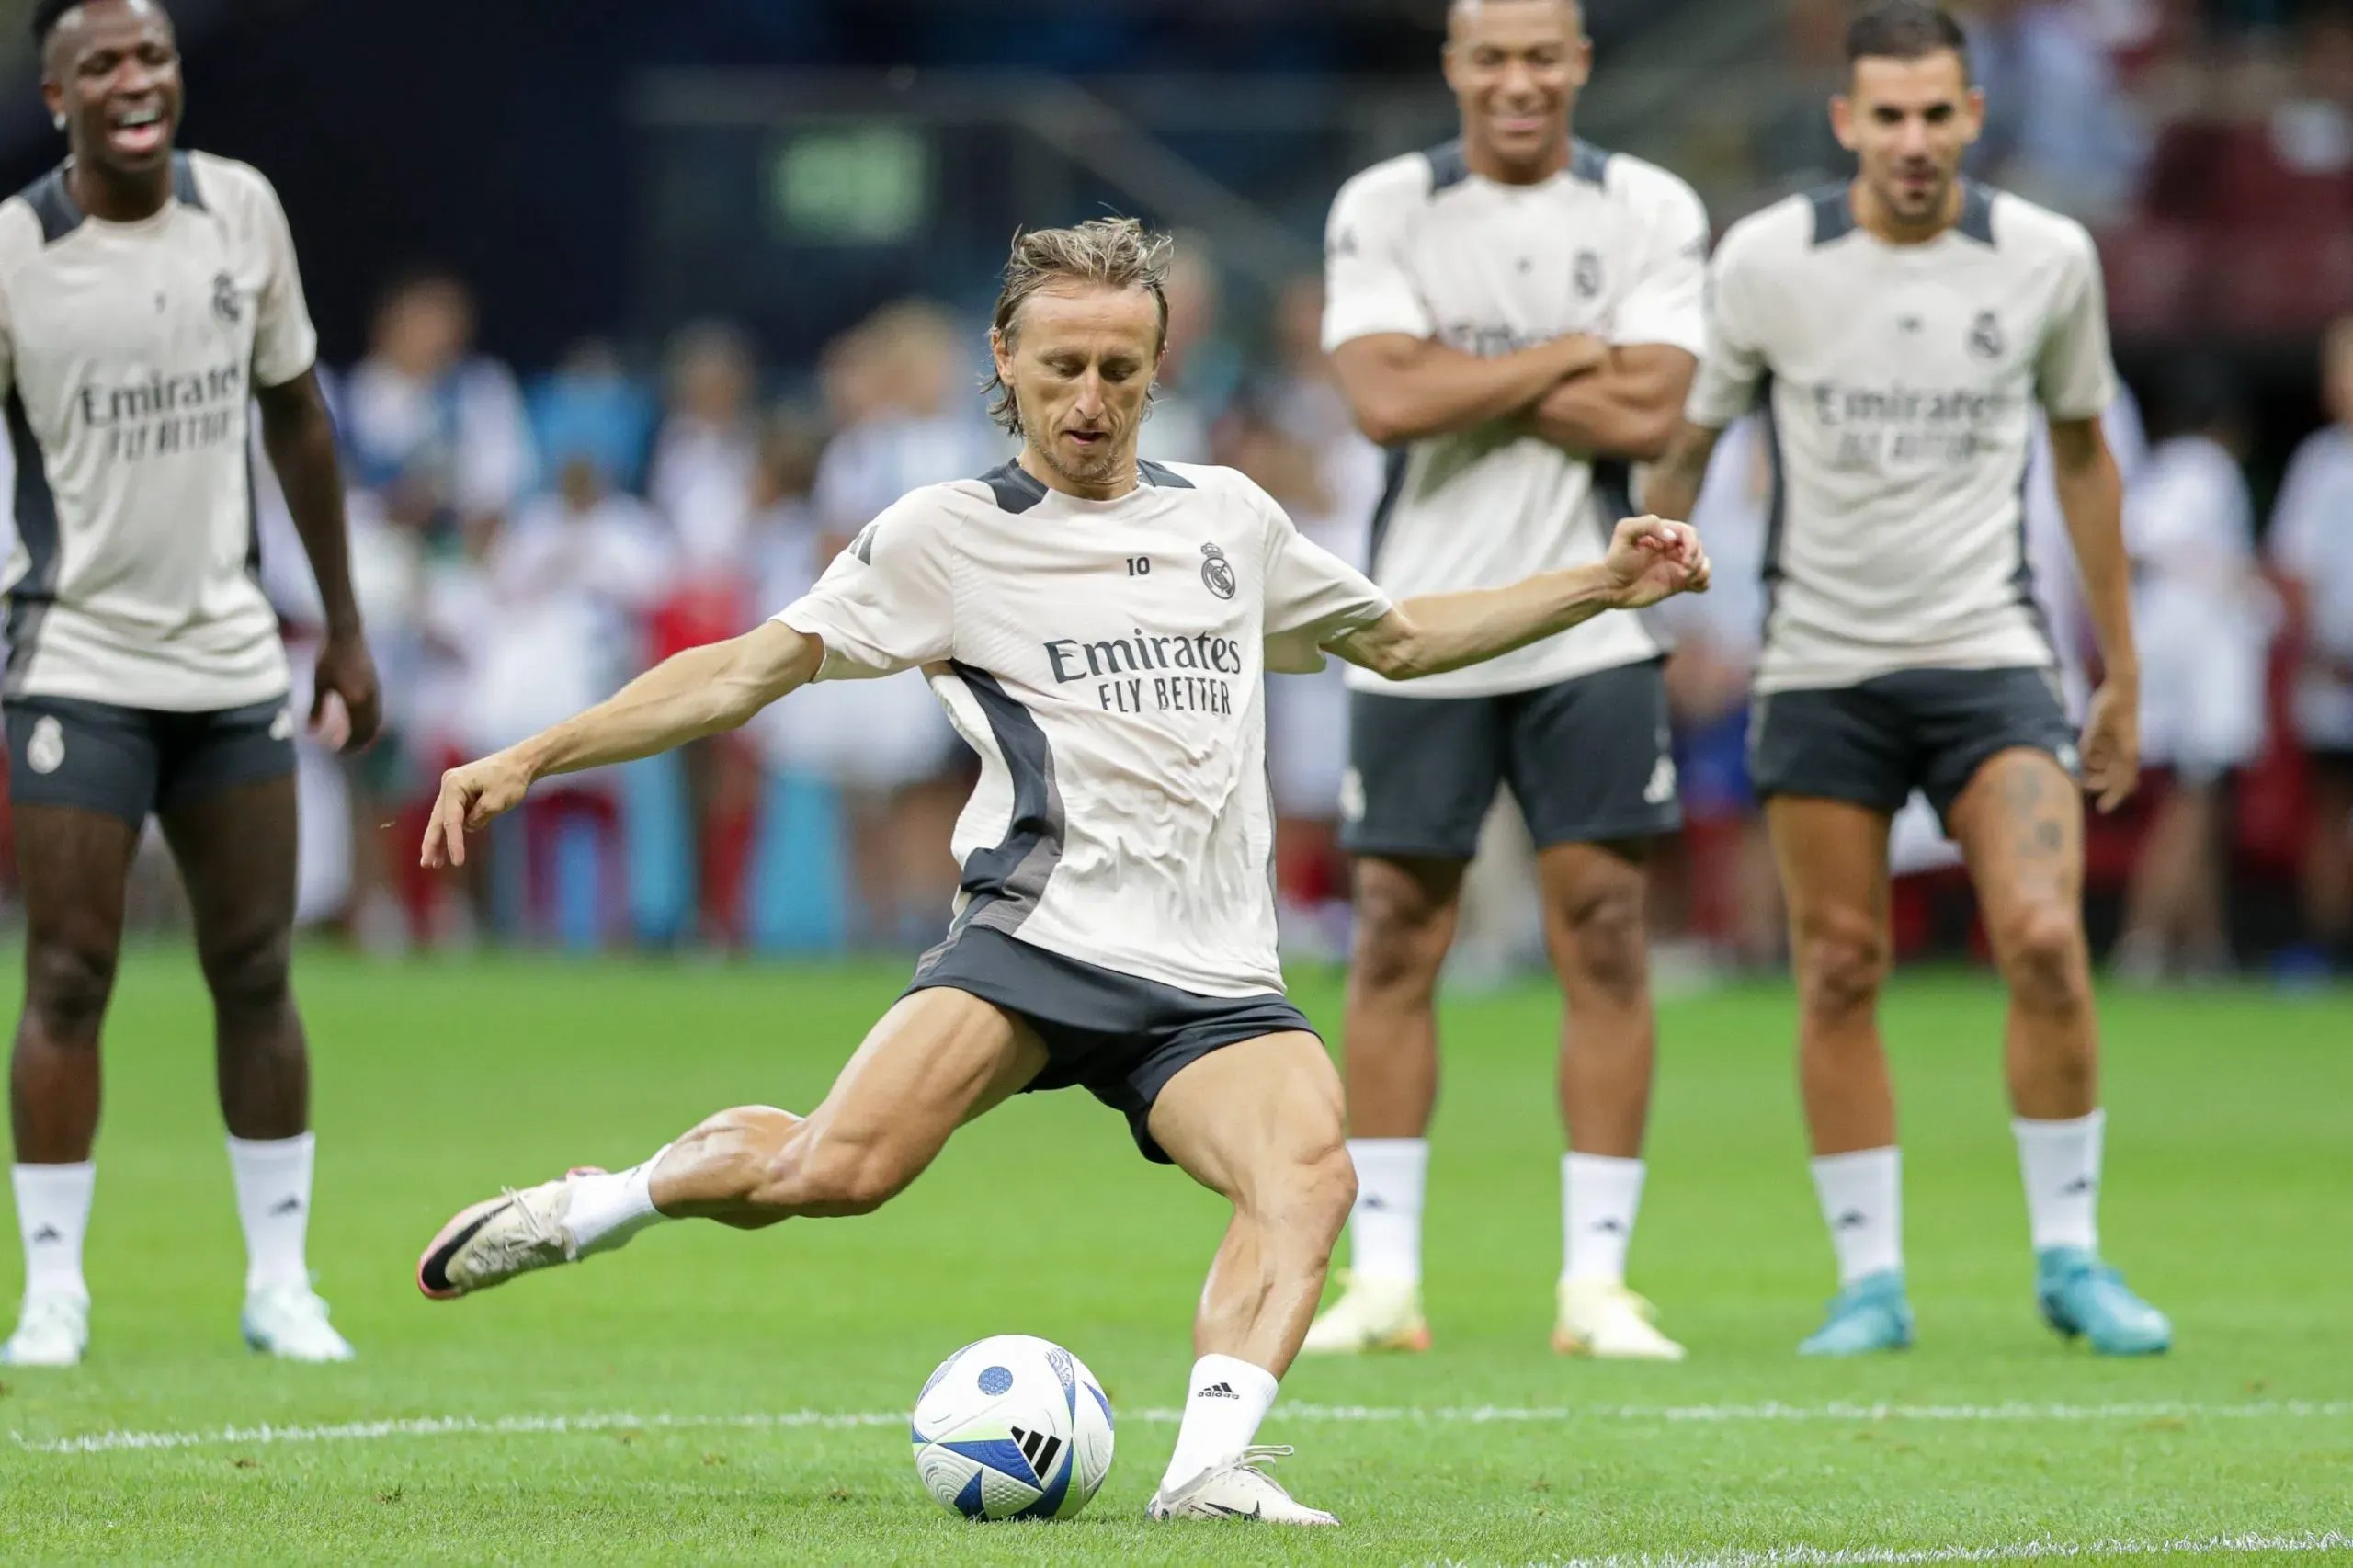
{"x":2020,"y":823}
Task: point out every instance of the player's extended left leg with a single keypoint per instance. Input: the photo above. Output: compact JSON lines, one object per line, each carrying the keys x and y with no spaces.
{"x":1261,"y":1123}
{"x":1595,"y":928}
{"x":235,"y":847}
{"x":2020,"y":822}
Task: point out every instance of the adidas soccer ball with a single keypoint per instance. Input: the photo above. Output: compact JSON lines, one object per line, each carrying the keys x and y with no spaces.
{"x":1013,"y":1428}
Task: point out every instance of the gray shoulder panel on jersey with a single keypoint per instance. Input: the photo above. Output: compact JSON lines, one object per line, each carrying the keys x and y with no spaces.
{"x":1002,"y":885}
{"x":1447,"y":166}
{"x":1589,"y":163}
{"x":1161,"y":477}
{"x":1777,"y":512}
{"x":1016,"y":489}
{"x":29,"y":600}
{"x":1833,"y":214}
{"x":184,"y":186}
{"x":59,"y":215}
{"x":1392,"y":490}
{"x":1977,"y":212}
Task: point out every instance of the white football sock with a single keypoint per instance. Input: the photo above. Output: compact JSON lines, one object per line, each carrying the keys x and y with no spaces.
{"x":273,"y":1177}
{"x":52,"y":1215}
{"x":1862,"y":1202}
{"x":608,"y":1209}
{"x":1229,"y":1398}
{"x":1385,"y":1226}
{"x":1599,"y":1196}
{"x":2059,"y":1161}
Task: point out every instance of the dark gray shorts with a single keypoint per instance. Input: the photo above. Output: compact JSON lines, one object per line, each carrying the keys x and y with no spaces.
{"x":1590,"y":761}
{"x":128,"y":762}
{"x":1119,"y":1037}
{"x":1925,"y":730}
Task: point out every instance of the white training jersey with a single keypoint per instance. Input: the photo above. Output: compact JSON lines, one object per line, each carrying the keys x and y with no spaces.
{"x":1900,"y":385}
{"x":1610,"y":247}
{"x":2311,"y":540}
{"x":130,"y":353}
{"x":1105,"y":658}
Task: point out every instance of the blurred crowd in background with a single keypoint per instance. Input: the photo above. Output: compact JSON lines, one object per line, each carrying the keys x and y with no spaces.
{"x":528,"y":535}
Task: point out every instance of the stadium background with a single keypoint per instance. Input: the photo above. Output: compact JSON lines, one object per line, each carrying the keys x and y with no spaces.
{"x":616,"y":192}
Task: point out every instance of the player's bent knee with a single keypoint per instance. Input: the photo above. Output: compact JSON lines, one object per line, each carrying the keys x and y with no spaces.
{"x":67,"y":987}
{"x":1613,"y":952}
{"x":250,"y":975}
{"x":1840,"y":969}
{"x":1400,"y":940}
{"x":2048,"y":964}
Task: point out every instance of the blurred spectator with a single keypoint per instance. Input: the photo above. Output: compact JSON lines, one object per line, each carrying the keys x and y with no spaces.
{"x":1198,"y":374}
{"x":2311,"y":127}
{"x":2057,"y":129}
{"x":589,"y":404}
{"x":2312,"y":546}
{"x":900,"y":380}
{"x":2203,"y":620}
{"x":704,"y":458}
{"x":1793,"y":141}
{"x":438,"y":439}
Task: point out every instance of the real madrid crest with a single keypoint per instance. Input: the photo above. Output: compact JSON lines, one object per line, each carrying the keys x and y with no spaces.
{"x":1587,"y":274}
{"x":1217,"y":571}
{"x":1985,"y":336}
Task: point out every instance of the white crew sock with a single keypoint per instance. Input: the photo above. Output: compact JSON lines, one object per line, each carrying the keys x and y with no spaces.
{"x":273,"y":1177}
{"x":608,"y":1209}
{"x":1385,"y":1226}
{"x":1862,"y":1202}
{"x":52,"y":1215}
{"x":2059,"y":1161}
{"x":1229,"y":1398}
{"x":1599,"y":1196}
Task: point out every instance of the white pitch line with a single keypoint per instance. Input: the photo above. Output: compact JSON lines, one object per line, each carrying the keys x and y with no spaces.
{"x":624,"y":1421}
{"x":1895,"y":1557}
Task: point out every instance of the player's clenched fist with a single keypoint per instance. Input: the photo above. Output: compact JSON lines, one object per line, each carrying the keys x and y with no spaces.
{"x":470,"y":797}
{"x":1651,"y":558}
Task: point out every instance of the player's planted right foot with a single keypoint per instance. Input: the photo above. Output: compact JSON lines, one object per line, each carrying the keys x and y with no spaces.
{"x":2081,"y":1295}
{"x":52,"y":1331}
{"x":1371,"y":1314}
{"x":1870,"y":1314}
{"x":1238,"y":1489}
{"x":493,"y":1241}
{"x":1605,"y":1320}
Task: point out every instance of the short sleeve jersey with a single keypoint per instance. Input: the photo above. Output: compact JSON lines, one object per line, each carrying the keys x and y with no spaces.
{"x":1900,"y":385}
{"x":130,"y":353}
{"x":1420,"y":246}
{"x":1105,"y":659}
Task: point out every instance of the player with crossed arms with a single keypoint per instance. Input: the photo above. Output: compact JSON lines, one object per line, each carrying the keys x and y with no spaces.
{"x":1900,"y":332}
{"x":1096,"y":628}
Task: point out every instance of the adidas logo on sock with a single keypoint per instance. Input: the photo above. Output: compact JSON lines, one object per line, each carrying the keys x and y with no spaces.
{"x":1217,"y":1390}
{"x":47,"y":1234}
{"x":292,"y":1205}
{"x":1372,"y":1200}
{"x":1852,"y":1219}
{"x":2079,"y":1186}
{"x":1609,"y":1227}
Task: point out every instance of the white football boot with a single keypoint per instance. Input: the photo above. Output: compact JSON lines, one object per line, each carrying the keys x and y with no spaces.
{"x":289,"y":1321}
{"x":1371,"y":1314}
{"x":1237,"y":1489}
{"x":52,"y":1331}
{"x":495,"y":1240}
{"x":1605,"y":1320}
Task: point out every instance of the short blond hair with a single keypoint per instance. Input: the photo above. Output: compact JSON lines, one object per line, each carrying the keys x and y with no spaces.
{"x":1109,"y":253}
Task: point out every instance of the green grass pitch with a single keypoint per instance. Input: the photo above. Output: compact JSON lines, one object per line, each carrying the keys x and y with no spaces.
{"x":456,"y":1437}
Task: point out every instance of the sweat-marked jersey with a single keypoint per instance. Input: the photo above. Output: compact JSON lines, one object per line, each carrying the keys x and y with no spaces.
{"x":1105,"y":658}
{"x":130,"y":353}
{"x":1610,"y":247}
{"x":1900,"y":385}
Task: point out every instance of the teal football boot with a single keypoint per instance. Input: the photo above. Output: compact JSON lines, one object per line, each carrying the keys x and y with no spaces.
{"x":2081,"y":1296}
{"x":1870,"y":1314}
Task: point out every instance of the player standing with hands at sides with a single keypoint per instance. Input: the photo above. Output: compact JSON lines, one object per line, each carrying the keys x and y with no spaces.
{"x":1517,"y":315}
{"x":1900,"y":332}
{"x":148,"y":299}
{"x":1097,"y":629}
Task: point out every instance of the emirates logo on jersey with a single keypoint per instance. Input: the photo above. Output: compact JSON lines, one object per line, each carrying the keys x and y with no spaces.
{"x":226,"y":305}
{"x":1217,"y":572}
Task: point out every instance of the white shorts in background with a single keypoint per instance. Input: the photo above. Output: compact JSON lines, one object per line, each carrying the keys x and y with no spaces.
{"x":861,"y":734}
{"x":1307,"y":742}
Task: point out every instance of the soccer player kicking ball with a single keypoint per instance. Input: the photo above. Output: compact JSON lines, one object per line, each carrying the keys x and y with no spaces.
{"x":1902,"y":332}
{"x":1517,"y":314}
{"x":1097,"y":628}
{"x":148,"y":300}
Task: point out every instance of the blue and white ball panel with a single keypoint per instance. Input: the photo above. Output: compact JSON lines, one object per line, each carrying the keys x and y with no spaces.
{"x":1012,"y":1427}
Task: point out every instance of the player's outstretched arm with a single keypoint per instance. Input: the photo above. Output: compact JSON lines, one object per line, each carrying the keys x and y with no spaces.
{"x":1403,"y":388}
{"x":1672,"y":488}
{"x":1648,"y":561}
{"x":687,"y":696}
{"x":2091,"y":498}
{"x":1627,"y":408}
{"x":299,"y":435}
